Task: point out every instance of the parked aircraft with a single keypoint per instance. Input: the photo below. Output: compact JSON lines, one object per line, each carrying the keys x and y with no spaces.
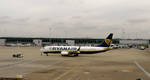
{"x":76,"y":50}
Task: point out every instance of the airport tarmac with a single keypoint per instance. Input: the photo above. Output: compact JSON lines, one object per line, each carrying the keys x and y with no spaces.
{"x":118,"y":64}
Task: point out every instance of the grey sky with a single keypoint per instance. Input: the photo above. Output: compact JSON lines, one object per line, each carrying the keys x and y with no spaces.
{"x":75,"y":18}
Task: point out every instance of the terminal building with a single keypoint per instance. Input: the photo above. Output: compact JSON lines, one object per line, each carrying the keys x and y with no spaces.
{"x":135,"y":42}
{"x":24,"y":41}
{"x":20,"y":41}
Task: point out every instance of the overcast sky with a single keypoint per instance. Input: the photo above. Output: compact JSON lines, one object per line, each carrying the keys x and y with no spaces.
{"x":75,"y":18}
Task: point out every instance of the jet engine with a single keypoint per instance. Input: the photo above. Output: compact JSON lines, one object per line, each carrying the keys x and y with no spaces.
{"x":71,"y":53}
{"x":64,"y":53}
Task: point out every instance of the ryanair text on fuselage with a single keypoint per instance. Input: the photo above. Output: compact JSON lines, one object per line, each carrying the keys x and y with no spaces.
{"x":63,"y":48}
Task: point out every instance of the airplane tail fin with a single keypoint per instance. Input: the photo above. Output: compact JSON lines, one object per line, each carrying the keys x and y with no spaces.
{"x":107,"y":41}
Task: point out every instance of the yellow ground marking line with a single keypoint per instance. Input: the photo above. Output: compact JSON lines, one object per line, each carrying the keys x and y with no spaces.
{"x":59,"y":77}
{"x":140,"y":67}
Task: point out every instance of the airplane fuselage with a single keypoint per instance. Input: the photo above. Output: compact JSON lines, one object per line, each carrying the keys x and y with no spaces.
{"x":83,"y":49}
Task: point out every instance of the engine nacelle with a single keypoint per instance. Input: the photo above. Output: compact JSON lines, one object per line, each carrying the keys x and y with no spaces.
{"x":64,"y":53}
{"x":73,"y":53}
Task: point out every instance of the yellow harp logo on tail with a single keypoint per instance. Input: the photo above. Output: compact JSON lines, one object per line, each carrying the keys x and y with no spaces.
{"x":107,"y":41}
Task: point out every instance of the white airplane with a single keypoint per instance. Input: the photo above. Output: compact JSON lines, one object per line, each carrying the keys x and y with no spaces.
{"x":76,"y":50}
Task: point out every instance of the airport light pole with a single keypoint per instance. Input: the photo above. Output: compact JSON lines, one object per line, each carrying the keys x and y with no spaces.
{"x":50,"y":35}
